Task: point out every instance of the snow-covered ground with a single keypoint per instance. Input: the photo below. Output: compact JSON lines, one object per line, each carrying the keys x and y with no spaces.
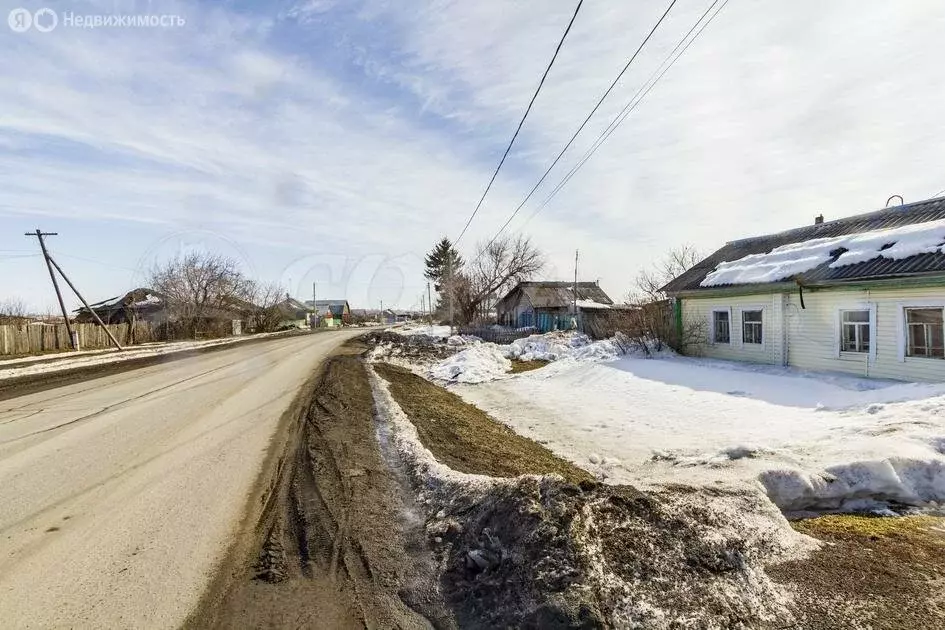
{"x":479,"y":362}
{"x":812,"y":441}
{"x":40,"y":364}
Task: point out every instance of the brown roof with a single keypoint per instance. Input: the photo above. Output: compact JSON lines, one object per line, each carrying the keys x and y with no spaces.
{"x":558,"y":294}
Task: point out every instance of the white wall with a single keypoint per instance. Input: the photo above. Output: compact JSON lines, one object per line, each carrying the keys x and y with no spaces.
{"x":809,"y":338}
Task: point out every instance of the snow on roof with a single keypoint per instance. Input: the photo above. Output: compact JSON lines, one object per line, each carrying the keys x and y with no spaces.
{"x":796,"y":258}
{"x":591,"y":304}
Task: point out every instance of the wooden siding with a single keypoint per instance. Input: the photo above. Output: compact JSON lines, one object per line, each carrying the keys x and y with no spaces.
{"x":809,"y":338}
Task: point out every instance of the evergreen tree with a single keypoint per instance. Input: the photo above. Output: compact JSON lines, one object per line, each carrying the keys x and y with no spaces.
{"x":442,"y":260}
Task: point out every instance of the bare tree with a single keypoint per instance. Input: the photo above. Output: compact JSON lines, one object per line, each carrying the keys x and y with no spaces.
{"x":650,"y":281}
{"x":496,"y":267}
{"x":201,"y":288}
{"x":13,"y":311}
{"x":267,"y":311}
{"x":649,"y":322}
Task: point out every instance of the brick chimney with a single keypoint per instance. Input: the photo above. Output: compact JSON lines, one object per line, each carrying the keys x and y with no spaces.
{"x":818,"y":219}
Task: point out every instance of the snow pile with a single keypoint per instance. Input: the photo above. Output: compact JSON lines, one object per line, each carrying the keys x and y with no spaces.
{"x":837,"y":444}
{"x":555,"y":346}
{"x":429,"y":331}
{"x":476,"y":364}
{"x":789,"y":260}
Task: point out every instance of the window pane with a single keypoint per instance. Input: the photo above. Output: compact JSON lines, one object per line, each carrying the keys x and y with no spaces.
{"x":752,"y":316}
{"x":917,"y":342}
{"x":721,"y":327}
{"x":937,"y":341}
{"x":924,"y":316}
{"x":856,"y":316}
{"x":864,"y":338}
{"x":721,"y":316}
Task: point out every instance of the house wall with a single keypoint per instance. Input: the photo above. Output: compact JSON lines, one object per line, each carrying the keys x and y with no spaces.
{"x":698,"y":311}
{"x":809,"y":338}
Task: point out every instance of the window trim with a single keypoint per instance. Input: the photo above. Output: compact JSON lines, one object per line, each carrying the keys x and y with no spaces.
{"x":720,"y":309}
{"x":902,"y":341}
{"x":764,"y":325}
{"x":838,"y":331}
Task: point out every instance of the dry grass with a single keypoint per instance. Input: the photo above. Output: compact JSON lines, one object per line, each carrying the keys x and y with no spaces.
{"x":882,"y":572}
{"x":526,"y":366}
{"x":464,"y":437}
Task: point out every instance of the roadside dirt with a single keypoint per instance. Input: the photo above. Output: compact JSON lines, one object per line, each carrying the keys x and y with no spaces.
{"x":337,"y":546}
{"x":550,"y":552}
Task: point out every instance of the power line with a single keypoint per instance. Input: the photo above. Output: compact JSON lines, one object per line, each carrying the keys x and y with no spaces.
{"x":632,"y":104}
{"x":521,"y":122}
{"x":583,"y":124}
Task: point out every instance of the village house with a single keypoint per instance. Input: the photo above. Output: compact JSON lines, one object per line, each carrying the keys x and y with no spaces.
{"x":138,"y":305}
{"x":864,"y":294}
{"x":332,"y":313}
{"x":548,"y":305}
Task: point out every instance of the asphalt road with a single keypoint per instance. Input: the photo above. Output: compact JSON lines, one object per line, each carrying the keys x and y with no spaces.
{"x":120,"y":496}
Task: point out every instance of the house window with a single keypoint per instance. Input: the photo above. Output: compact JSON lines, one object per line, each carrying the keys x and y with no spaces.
{"x":721,"y":330}
{"x":925,"y":332}
{"x":751,"y":327}
{"x":855,"y":331}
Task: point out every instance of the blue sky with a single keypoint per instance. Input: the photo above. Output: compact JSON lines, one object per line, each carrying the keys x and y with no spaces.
{"x":334,"y":142}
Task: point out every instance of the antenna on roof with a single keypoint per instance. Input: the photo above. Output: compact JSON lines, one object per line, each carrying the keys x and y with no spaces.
{"x":901,"y":201}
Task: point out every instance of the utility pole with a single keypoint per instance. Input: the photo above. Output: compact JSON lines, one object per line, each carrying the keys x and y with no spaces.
{"x":575,"y":286}
{"x":449,"y":285}
{"x":86,"y":304}
{"x":52,"y":276}
{"x":429,"y":303}
{"x":314,"y":304}
{"x":50,"y":264}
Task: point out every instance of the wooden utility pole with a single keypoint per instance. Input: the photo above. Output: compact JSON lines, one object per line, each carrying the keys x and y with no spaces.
{"x":52,"y":276}
{"x":86,"y":304}
{"x":50,"y":264}
{"x":429,"y":303}
{"x":575,"y":287}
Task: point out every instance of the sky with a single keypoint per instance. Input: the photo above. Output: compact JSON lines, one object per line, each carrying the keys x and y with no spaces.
{"x":333,"y":142}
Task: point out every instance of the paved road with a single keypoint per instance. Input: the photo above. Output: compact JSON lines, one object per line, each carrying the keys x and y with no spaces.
{"x":119,"y":496}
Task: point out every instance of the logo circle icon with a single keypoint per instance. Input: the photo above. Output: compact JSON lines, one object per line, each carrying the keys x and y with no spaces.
{"x":20,"y":20}
{"x":45,"y":20}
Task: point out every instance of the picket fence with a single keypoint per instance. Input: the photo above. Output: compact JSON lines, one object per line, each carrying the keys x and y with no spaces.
{"x":23,"y":339}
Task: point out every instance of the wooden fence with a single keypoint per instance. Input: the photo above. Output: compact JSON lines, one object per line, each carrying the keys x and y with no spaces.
{"x":24,"y":339}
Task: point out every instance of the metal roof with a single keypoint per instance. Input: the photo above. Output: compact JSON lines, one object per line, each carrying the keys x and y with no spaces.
{"x":878,"y":268}
{"x":558,"y":294}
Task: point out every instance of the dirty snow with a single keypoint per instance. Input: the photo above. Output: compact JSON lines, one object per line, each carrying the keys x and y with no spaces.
{"x":789,"y":260}
{"x":423,"y":329}
{"x":811,"y":441}
{"x":479,"y":362}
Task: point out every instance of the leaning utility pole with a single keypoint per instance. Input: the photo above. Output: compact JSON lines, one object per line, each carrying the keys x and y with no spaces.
{"x":52,"y":276}
{"x":50,"y":264}
{"x":86,"y":304}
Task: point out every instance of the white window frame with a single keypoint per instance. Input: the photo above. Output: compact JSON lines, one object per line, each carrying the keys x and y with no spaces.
{"x":731,"y":327}
{"x":901,"y":332}
{"x":838,"y":331}
{"x":764,"y":325}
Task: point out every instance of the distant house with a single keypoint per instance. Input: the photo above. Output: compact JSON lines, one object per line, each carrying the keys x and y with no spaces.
{"x":294,"y":313}
{"x":332,"y":312}
{"x":864,"y":294}
{"x":548,"y":305}
{"x":137,"y":305}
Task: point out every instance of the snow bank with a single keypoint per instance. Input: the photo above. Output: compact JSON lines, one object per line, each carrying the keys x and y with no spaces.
{"x":479,"y":363}
{"x":430,"y":331}
{"x":555,"y":346}
{"x":839,"y":443}
{"x":789,"y":260}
